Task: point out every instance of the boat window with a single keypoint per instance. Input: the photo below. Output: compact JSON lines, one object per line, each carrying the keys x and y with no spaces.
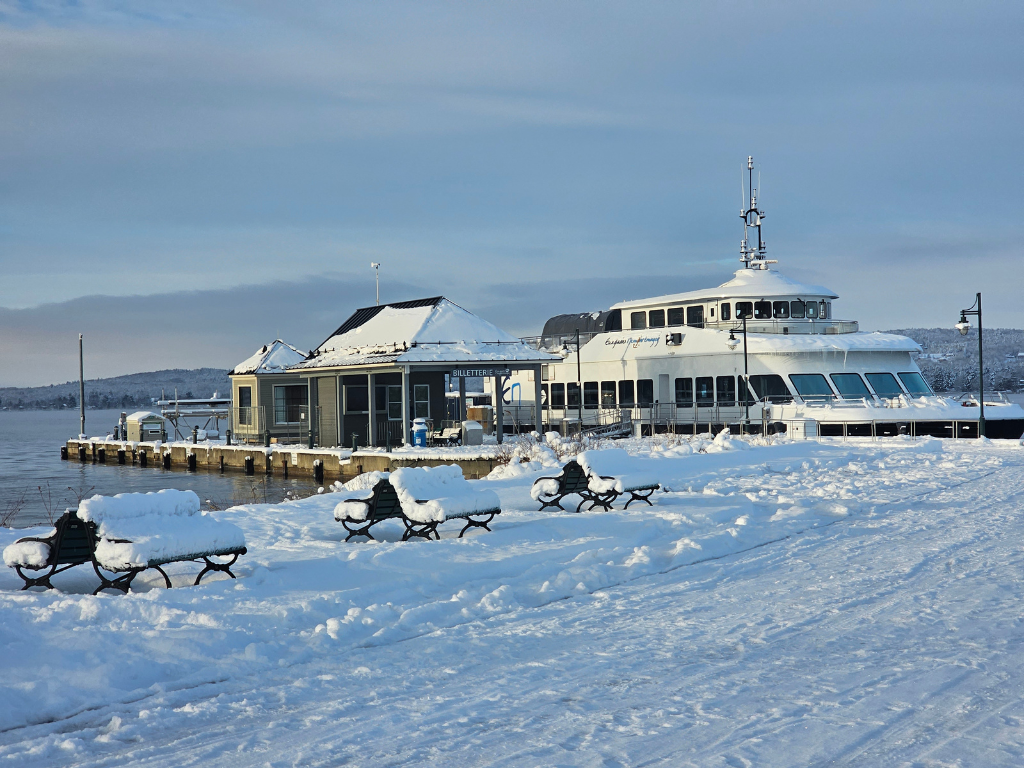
{"x":744,"y":309}
{"x":884,"y":384}
{"x":637,"y":321}
{"x":645,"y":392}
{"x":572,"y":395}
{"x":725,"y":389}
{"x":657,"y":318}
{"x":614,"y":321}
{"x":850,"y":385}
{"x":796,"y":309}
{"x":684,"y":393}
{"x":915,"y":383}
{"x":705,"y":391}
{"x":544,"y":399}
{"x":812,"y":309}
{"x":626,"y":393}
{"x":822,"y":310}
{"x":590,"y":394}
{"x":811,"y":386}
{"x":607,"y":394}
{"x":726,"y":311}
{"x":770,"y":388}
{"x":695,"y":316}
{"x":762,"y":310}
{"x":741,"y":390}
{"x":780,"y":309}
{"x":676,"y":316}
{"x":558,"y":395}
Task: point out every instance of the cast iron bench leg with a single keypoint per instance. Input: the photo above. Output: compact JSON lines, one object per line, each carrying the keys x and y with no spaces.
{"x":634,"y":496}
{"x":553,"y":502}
{"x":211,"y":566}
{"x":122,"y":583}
{"x":36,"y":581}
{"x":471,"y":523}
{"x":364,"y":531}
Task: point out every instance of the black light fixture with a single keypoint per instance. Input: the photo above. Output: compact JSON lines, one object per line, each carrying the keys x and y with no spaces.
{"x":964,"y":326}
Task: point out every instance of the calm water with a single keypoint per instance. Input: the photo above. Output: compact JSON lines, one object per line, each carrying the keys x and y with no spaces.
{"x":30,"y":444}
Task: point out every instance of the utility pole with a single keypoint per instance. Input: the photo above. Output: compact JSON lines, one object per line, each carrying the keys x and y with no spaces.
{"x":81,"y":388}
{"x":376,"y":269}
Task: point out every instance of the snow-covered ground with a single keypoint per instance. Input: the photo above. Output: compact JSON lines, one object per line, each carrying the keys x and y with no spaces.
{"x":799,"y":604}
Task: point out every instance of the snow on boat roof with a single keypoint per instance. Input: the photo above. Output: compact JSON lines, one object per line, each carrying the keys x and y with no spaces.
{"x":840,"y":342}
{"x":142,"y":415}
{"x":271,"y":358}
{"x":747,"y":284}
{"x":426,"y":330}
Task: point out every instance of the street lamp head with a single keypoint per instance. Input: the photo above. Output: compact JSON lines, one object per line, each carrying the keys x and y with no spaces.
{"x":963,"y":326}
{"x":374,"y":265}
{"x":732,"y":342}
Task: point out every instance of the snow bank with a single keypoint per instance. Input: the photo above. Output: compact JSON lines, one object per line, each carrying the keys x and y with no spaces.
{"x":624,"y":472}
{"x":432,"y":494}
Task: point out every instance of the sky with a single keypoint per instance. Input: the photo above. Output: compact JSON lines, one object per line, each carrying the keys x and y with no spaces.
{"x":184,"y":181}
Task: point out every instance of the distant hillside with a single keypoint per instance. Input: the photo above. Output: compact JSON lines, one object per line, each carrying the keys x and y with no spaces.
{"x":136,"y":389}
{"x":950,"y":361}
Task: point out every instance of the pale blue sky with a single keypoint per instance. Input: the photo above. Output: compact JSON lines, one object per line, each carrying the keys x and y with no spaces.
{"x":242,"y":163}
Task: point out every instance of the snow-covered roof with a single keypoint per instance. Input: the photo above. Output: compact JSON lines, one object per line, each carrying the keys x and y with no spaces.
{"x":271,"y":358}
{"x":432,"y":330}
{"x":747,"y":284}
{"x":840,"y":342}
{"x":143,"y":415}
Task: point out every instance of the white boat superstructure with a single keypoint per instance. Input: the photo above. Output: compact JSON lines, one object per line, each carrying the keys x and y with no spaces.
{"x":761,"y":351}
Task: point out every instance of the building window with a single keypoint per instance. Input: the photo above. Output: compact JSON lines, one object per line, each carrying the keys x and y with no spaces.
{"x":796,"y":309}
{"x":744,"y":309}
{"x":558,"y":395}
{"x":657,"y":318}
{"x":572,"y":392}
{"x":388,"y":400}
{"x":590,"y":396}
{"x":780,"y":309}
{"x":607,"y":394}
{"x":726,"y":311}
{"x":291,"y":404}
{"x":626,"y":394}
{"x":645,"y":392}
{"x":421,"y":401}
{"x":684,"y":393}
{"x":705,"y":391}
{"x":695,"y":317}
{"x":544,"y":399}
{"x":637,"y":320}
{"x":677,"y":316}
{"x":357,"y":398}
{"x":762,"y":310}
{"x":245,"y":406}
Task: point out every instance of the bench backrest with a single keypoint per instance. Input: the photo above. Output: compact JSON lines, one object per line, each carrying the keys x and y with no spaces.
{"x":76,"y":539}
{"x":573,"y":478}
{"x":384,"y":503}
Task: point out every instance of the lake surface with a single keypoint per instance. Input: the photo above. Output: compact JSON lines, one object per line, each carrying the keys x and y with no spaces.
{"x":33,"y":477}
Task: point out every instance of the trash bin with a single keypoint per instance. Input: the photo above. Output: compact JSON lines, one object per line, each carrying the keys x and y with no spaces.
{"x":472,"y":433}
{"x":419,"y":433}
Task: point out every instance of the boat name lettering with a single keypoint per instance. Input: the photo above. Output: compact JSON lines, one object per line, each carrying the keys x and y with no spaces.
{"x":634,"y":342}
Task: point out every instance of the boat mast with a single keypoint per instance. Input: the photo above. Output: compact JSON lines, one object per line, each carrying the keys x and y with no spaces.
{"x":752,"y":258}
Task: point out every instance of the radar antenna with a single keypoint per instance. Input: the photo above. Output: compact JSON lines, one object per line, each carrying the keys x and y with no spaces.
{"x":753,"y":258}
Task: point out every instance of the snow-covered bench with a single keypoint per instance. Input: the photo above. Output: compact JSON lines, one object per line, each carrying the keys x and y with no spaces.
{"x":128,"y":534}
{"x":550,"y":491}
{"x":422,"y":498}
{"x":71,"y":543}
{"x":612,"y":472}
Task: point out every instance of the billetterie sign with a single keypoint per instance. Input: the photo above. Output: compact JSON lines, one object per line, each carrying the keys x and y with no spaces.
{"x":474,"y":372}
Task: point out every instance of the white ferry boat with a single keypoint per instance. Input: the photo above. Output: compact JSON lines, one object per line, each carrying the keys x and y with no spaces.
{"x":759,"y":352}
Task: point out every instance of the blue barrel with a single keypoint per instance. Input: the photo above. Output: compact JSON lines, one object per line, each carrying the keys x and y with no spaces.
{"x":419,"y":433}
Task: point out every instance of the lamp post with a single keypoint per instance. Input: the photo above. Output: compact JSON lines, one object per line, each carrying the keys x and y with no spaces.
{"x":732,"y":343}
{"x":579,"y":381}
{"x":375,"y":266}
{"x":964,"y":326}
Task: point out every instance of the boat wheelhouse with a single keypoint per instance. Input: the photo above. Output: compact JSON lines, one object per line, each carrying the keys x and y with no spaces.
{"x":761,"y":351}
